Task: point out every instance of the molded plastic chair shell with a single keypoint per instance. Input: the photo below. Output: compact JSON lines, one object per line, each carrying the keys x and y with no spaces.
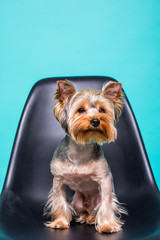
{"x":29,"y":180}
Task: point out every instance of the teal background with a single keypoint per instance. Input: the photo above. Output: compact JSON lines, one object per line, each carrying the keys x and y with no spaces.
{"x":48,"y":38}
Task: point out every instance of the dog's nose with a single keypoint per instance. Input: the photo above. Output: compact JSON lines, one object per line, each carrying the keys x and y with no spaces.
{"x":95,"y":122}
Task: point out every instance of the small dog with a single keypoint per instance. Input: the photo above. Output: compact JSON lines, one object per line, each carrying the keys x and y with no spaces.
{"x":88,"y":117}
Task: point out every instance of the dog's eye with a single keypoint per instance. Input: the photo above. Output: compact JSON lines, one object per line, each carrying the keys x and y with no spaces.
{"x":81,"y":110}
{"x":101,"y":110}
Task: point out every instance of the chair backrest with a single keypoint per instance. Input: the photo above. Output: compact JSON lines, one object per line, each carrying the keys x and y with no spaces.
{"x":39,"y":133}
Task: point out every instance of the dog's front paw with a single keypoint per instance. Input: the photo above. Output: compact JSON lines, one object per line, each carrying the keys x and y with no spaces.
{"x":60,"y":223}
{"x":108,"y":227}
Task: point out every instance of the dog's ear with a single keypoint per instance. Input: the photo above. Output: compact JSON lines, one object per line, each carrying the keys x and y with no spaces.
{"x":65,"y":90}
{"x":113,"y":91}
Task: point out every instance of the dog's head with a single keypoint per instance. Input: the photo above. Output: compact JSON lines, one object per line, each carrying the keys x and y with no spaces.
{"x":89,"y":115}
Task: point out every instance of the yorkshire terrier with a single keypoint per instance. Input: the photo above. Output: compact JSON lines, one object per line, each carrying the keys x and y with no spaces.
{"x":88,"y":118}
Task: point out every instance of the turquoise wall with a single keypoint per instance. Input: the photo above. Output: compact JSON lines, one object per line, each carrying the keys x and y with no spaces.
{"x":49,"y":38}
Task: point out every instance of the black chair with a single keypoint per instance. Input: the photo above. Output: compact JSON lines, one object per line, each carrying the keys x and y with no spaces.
{"x":29,"y":180}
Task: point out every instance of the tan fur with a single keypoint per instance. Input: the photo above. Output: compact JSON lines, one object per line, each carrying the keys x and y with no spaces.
{"x":82,"y":132}
{"x":110,"y":91}
{"x":79,"y":162}
{"x":86,"y":218}
{"x":59,"y":222}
